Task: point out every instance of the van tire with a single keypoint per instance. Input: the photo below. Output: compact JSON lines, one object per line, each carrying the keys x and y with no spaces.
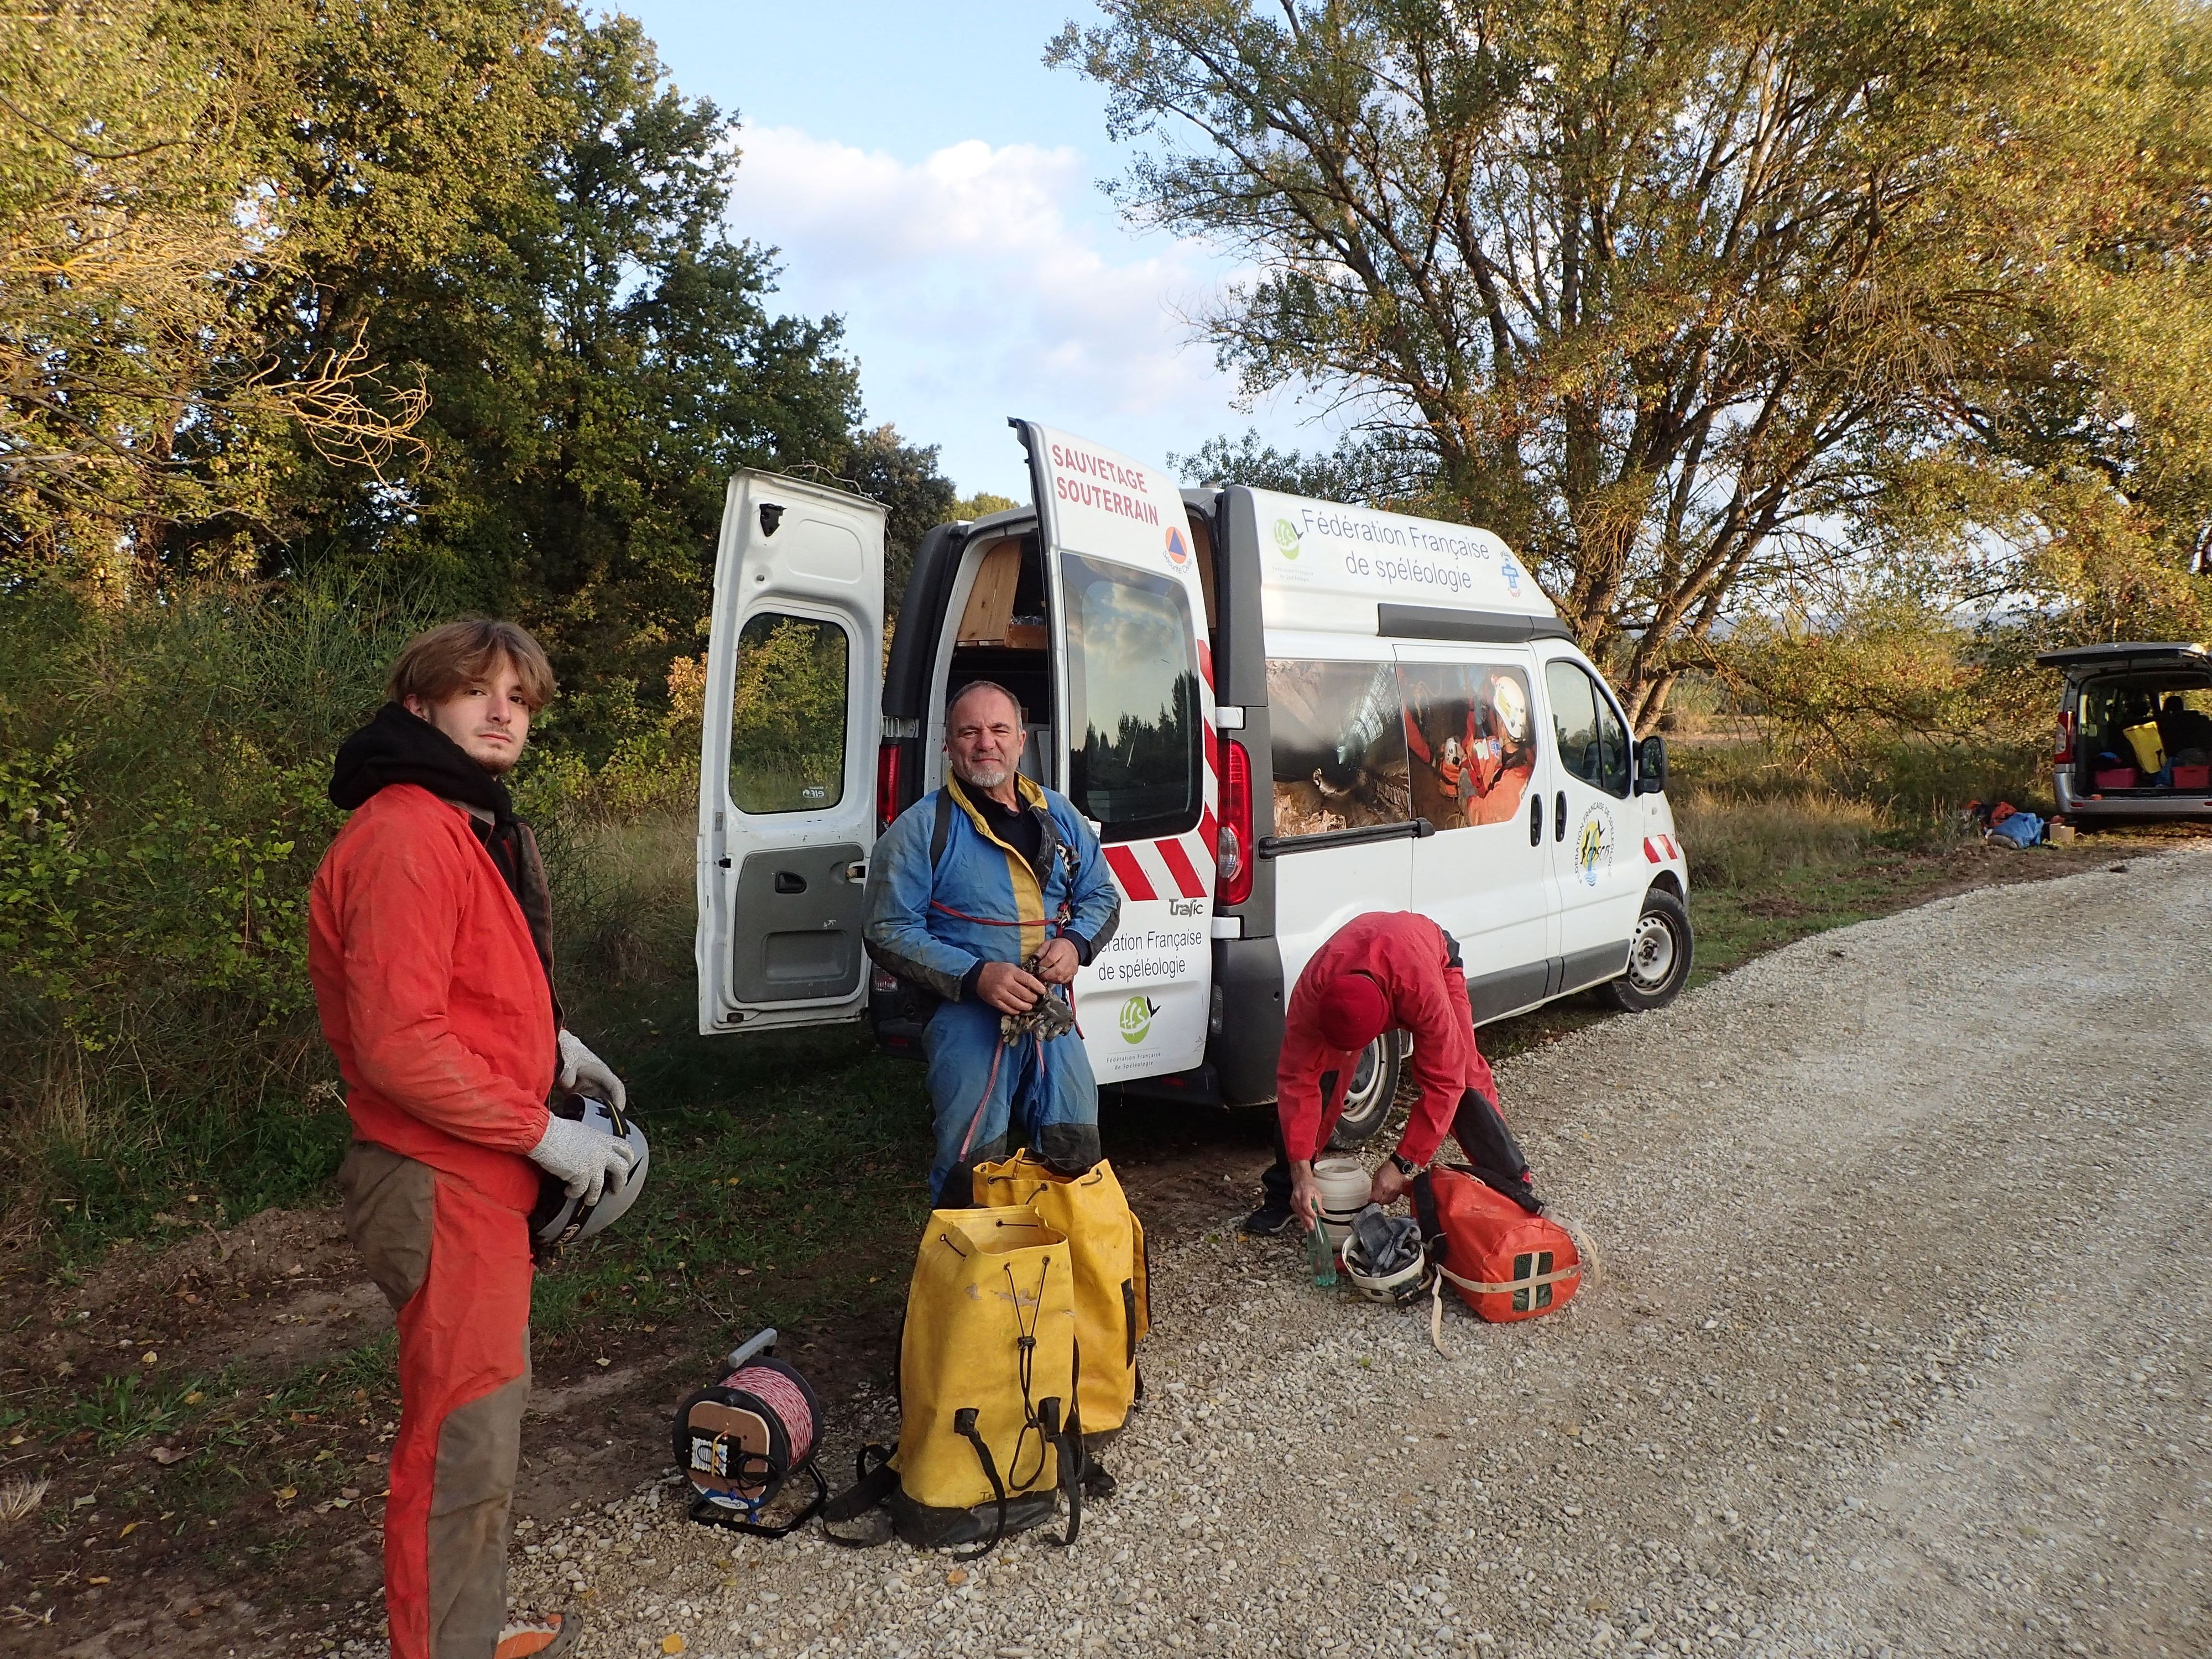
{"x":1659,"y":957}
{"x":1367,"y":1109}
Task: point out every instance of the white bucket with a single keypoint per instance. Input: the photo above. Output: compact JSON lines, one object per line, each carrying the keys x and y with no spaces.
{"x":1343,"y":1184}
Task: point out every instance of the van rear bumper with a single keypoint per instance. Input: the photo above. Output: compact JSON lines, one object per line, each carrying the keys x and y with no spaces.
{"x":2114,"y":804}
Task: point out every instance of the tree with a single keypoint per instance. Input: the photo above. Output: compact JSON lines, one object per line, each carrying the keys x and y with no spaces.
{"x":981,"y":505}
{"x":136,"y":389}
{"x":1675,"y":295}
{"x":904,"y":478}
{"x":1356,"y":471}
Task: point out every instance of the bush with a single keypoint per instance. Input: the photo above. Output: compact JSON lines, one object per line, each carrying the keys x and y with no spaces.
{"x":162,"y":811}
{"x":1747,"y":810}
{"x":162,"y":769}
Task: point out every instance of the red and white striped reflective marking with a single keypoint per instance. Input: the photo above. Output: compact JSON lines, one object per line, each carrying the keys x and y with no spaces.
{"x":1662,"y":849}
{"x":1178,"y":866}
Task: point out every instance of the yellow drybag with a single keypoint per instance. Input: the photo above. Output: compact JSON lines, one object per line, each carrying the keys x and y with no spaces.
{"x":989,"y":1435}
{"x":1106,"y":1248}
{"x":2149,"y":748}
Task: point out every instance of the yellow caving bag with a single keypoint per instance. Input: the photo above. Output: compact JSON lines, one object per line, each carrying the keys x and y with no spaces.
{"x":990,"y":1433}
{"x":1106,"y":1248}
{"x":2149,"y":748}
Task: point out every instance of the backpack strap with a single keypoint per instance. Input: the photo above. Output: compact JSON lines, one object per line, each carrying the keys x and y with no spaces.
{"x":1074,"y":1466}
{"x":874,"y":1480}
{"x":1424,"y":1211}
{"x":963,"y":1425}
{"x":940,"y":832}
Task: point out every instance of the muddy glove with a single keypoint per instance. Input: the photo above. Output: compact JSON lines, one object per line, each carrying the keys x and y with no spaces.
{"x":583,"y":1158}
{"x":584,"y":1072}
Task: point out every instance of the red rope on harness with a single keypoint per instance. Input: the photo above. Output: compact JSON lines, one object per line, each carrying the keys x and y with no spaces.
{"x":1052,"y":927}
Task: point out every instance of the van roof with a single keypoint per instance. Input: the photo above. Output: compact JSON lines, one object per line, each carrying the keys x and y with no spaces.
{"x":2128,"y":653}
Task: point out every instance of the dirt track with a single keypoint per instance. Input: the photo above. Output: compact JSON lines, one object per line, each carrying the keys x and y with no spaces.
{"x":1903,"y":1347}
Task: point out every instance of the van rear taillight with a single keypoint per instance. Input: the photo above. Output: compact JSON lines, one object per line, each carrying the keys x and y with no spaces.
{"x":887,"y":785}
{"x":1233,"y":850}
{"x":2064,"y":751}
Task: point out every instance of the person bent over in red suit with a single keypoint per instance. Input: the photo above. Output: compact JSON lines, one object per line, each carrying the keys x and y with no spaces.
{"x":1387,"y":971}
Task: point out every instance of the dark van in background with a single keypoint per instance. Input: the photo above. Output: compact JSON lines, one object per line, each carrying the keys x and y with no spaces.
{"x":2134,"y":731}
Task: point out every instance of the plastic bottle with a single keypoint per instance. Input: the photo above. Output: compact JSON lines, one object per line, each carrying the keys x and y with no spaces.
{"x":1322,"y":1258}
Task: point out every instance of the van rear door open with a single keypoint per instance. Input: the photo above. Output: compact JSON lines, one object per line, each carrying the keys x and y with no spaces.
{"x":1137,"y":750}
{"x":786,"y":808}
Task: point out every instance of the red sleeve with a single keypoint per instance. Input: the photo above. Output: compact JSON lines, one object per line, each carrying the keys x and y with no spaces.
{"x":1299,"y":1108}
{"x":1441,"y":1042}
{"x":398,"y":916}
{"x":1416,"y":742}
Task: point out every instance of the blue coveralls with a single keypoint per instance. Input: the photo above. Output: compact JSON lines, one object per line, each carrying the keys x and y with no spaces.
{"x":935,"y":925}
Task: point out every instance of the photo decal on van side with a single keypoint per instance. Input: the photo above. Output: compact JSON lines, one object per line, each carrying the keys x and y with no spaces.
{"x":1339,"y":745}
{"x":1471,"y":740}
{"x":1358,"y":744}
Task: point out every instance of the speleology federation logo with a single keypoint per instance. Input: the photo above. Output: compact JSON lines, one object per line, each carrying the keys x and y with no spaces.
{"x":1594,"y":845}
{"x":1286,"y":538}
{"x":1137,"y":1018}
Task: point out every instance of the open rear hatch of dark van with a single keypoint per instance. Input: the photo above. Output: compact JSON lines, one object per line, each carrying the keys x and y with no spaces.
{"x":2138,"y":724}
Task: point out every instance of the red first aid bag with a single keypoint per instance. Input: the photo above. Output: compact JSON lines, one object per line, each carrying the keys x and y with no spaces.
{"x":1505,"y":1263}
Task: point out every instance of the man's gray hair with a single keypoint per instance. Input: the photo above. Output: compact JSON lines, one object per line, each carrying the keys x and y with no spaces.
{"x":1021,"y":714}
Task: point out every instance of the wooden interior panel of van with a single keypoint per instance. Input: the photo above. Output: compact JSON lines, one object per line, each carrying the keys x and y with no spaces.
{"x":991,"y":601}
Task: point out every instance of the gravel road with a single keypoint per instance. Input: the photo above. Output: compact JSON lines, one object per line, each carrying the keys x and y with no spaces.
{"x":1902,"y":1347}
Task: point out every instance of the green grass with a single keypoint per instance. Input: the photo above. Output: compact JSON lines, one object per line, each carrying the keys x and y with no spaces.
{"x":787,"y":1170}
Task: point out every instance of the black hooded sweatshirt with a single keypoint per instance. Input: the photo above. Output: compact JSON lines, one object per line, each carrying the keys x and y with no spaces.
{"x":399,"y":747}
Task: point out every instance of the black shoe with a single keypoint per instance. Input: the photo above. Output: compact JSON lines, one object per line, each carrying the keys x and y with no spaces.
{"x":1267,"y":1220}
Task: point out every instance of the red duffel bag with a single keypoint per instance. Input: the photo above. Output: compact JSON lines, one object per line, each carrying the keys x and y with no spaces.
{"x":1506,"y":1262}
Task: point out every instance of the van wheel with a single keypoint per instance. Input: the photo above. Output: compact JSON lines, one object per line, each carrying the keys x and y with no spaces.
{"x":1374,"y":1086}
{"x":1659,"y":955}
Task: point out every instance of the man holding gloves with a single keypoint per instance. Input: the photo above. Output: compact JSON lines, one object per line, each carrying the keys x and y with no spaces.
{"x":430,"y":947}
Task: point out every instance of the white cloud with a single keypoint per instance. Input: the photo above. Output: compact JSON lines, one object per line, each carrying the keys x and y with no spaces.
{"x":985,"y":281}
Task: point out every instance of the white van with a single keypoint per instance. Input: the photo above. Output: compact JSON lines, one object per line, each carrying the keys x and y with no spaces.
{"x":1279,"y":713}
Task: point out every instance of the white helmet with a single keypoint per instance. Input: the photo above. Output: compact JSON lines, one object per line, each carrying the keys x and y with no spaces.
{"x":1511,"y":703}
{"x":1383,"y":1257}
{"x":559,"y":1219}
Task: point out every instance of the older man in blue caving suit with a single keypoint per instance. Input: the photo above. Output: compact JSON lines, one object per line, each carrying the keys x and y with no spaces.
{"x":987,"y":895}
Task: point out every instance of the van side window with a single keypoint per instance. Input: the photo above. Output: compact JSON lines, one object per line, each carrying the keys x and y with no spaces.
{"x":1136,"y":731}
{"x":1339,"y":755}
{"x":787,"y":719}
{"x":1593,"y":742}
{"x":1471,"y":731}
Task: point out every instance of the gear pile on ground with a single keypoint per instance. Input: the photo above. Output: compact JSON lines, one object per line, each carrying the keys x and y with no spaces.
{"x":1903,"y":1347}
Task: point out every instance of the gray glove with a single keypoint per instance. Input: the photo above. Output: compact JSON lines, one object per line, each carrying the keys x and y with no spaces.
{"x":585,"y":1159}
{"x":584,"y":1072}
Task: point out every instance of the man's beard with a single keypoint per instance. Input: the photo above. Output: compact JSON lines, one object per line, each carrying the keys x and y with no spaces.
{"x":982,"y":776}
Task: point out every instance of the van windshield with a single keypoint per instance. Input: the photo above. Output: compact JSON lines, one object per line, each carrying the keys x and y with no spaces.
{"x":1135,"y":753}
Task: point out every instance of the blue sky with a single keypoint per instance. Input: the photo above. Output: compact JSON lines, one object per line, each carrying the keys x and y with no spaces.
{"x":930,"y":180}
